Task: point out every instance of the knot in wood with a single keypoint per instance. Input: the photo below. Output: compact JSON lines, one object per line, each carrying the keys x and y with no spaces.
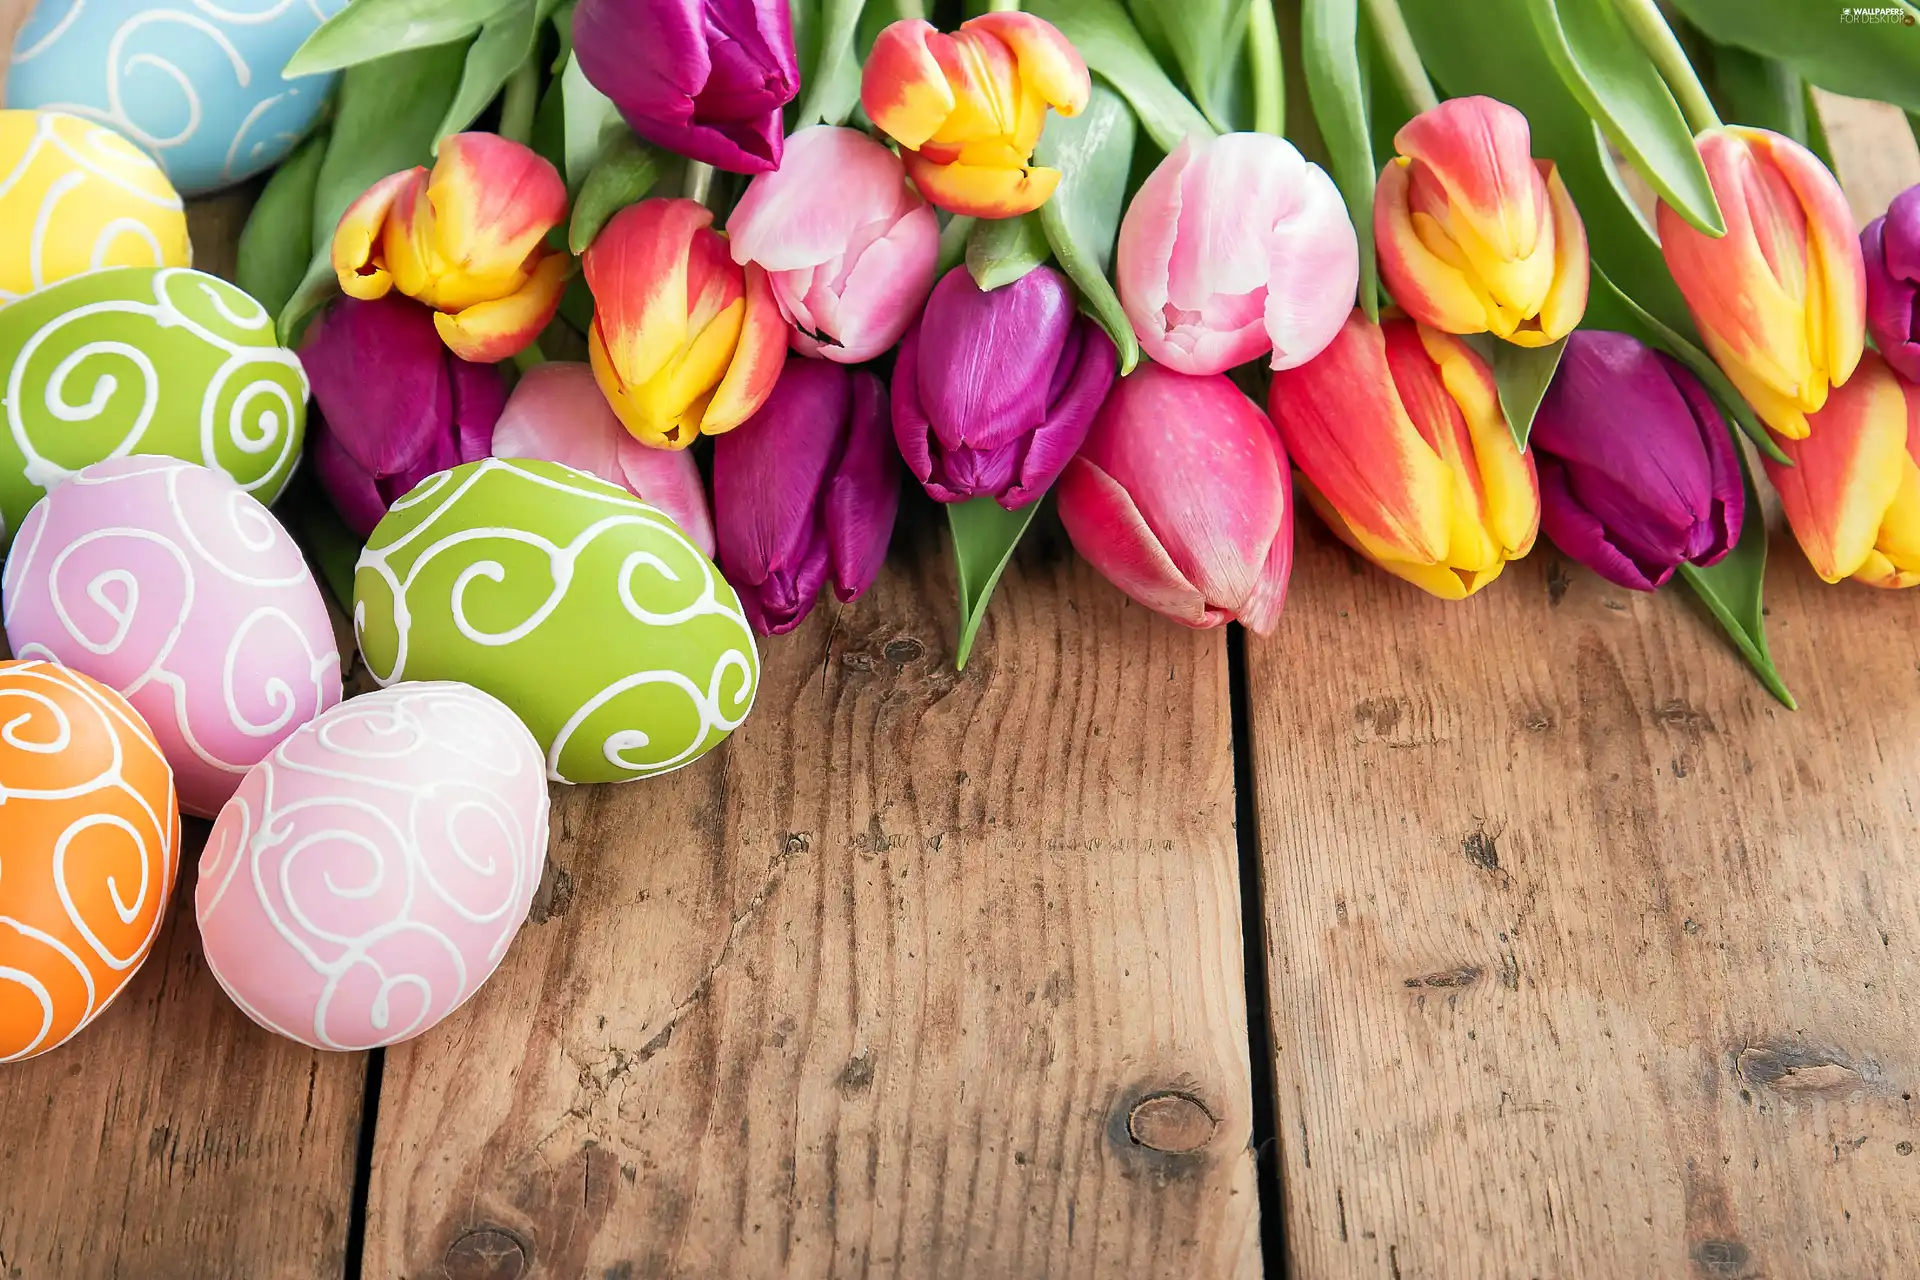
{"x":486,"y":1253}
{"x":1176,"y":1123}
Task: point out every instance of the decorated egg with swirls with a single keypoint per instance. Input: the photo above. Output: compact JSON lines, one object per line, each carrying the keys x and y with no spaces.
{"x":89,"y":848}
{"x":372,"y":870}
{"x":78,"y":197}
{"x":196,"y":84}
{"x":584,"y":609}
{"x":135,"y":360}
{"x":172,"y":585}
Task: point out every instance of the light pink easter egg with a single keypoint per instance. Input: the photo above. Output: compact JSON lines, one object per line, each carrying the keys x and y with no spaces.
{"x":369,"y":874}
{"x":173,"y":586}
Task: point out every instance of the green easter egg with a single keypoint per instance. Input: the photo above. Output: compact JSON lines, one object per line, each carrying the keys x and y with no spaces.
{"x":144,"y":360}
{"x":584,"y":609}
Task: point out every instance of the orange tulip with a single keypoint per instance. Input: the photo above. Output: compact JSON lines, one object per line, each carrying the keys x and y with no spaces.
{"x":466,"y":239}
{"x":685,"y":341}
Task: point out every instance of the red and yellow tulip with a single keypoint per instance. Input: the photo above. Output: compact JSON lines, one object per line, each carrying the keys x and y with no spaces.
{"x":685,"y":341}
{"x":967,"y":109}
{"x":465,"y":239}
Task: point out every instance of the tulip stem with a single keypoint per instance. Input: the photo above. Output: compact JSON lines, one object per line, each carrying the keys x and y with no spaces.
{"x":1403,"y":60}
{"x":1656,"y":37}
{"x":911,"y":10}
{"x":518,"y":100}
{"x":697,"y":181}
{"x":1265,"y":62}
{"x":1003,"y":6}
{"x":529,"y":356}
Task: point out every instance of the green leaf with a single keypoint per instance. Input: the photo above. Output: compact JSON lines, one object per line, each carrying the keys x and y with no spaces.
{"x":332,"y":546}
{"x":1112,"y":48}
{"x":953,"y":243}
{"x":1603,"y":65}
{"x":1763,"y":92}
{"x":984,"y":536}
{"x":369,"y":31}
{"x":1093,"y":152}
{"x":1523,"y":375}
{"x":624,"y":175}
{"x":1330,"y":35}
{"x":1001,"y":250}
{"x":503,"y":44}
{"x":1201,"y":35}
{"x":834,"y":87}
{"x":277,"y":242}
{"x":1817,"y":129}
{"x":593,"y":123}
{"x":1862,"y":59}
{"x":1731,"y":590}
{"x":576,"y":305}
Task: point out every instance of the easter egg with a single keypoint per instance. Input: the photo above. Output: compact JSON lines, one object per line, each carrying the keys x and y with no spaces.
{"x":168,"y":583}
{"x":371,"y":871}
{"x":79,"y":197}
{"x":196,"y":84}
{"x":135,"y":360}
{"x":89,"y":848}
{"x":584,"y":609}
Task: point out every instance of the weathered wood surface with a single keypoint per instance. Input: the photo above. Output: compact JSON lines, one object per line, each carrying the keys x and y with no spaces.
{"x":1586,"y":957}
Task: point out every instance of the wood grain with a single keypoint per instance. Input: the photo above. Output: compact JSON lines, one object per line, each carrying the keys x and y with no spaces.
{"x":921,"y":975}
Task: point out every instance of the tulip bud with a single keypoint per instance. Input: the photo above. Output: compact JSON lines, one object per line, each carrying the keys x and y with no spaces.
{"x":1638,"y":473}
{"x":967,"y":109}
{"x":466,"y":240}
{"x":1891,"y":247}
{"x":806,"y":491}
{"x":1780,"y":299}
{"x":1474,"y":234}
{"x":395,"y":405}
{"x":993,"y":392}
{"x":1181,"y":498}
{"x":1852,"y":495}
{"x":1397,"y":430}
{"x":705,"y":78}
{"x":1233,"y":247}
{"x":556,"y":412}
{"x":685,"y":342}
{"x":848,"y":246}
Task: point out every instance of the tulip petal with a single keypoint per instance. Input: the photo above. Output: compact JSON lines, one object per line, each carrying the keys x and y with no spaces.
{"x":1049,"y":64}
{"x":1506,"y":489}
{"x":1107,"y":530}
{"x":493,"y":200}
{"x":1847,"y":471}
{"x":355,"y":252}
{"x":786,"y":221}
{"x":885,"y":290}
{"x":379,"y":377}
{"x":353,"y":492}
{"x":668,"y":479}
{"x":1260,"y":613}
{"x":912,"y":432}
{"x":757,"y":359}
{"x":1430,"y":289}
{"x":862,"y":499}
{"x":1084,"y":377}
{"x":982,"y":191}
{"x":556,"y":412}
{"x":1566,"y":301}
{"x":1575,"y":529}
{"x":496,"y":330}
{"x":1480,"y":152}
{"x":637,"y":270}
{"x":479,"y":398}
{"x":1837,"y":324}
{"x":902,"y":86}
{"x":1313,"y":272}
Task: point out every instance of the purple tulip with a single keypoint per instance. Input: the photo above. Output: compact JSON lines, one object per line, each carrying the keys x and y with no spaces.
{"x":994,"y":392}
{"x":395,"y":405}
{"x":1891,"y":246}
{"x":705,"y":78}
{"x":1637,"y":470}
{"x":804,"y":490}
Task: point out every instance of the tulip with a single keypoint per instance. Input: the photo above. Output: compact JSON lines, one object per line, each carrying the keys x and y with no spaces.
{"x":993,"y":392}
{"x":466,"y":240}
{"x":1474,"y":234}
{"x":396,"y":405}
{"x":1181,"y":498}
{"x":847,"y":245}
{"x":685,"y":341}
{"x":1232,"y":247}
{"x":806,"y":492}
{"x":705,"y":78}
{"x":556,"y":412}
{"x":1781,"y":298}
{"x":1398,"y":433}
{"x":1638,"y":473}
{"x":1891,"y":247}
{"x":1852,"y":495}
{"x":967,"y":109}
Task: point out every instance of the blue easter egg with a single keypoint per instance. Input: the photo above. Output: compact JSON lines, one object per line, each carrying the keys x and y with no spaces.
{"x":196,"y":83}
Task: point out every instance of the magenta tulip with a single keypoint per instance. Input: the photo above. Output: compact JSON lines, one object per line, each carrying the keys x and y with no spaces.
{"x":806,"y":491}
{"x":557,"y":413}
{"x":993,"y":392}
{"x":395,"y":405}
{"x":1891,"y":246}
{"x":848,"y":246}
{"x":1234,"y":247}
{"x":1181,"y":497}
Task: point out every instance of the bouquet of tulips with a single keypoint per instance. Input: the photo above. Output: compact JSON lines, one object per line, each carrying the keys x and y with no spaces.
{"x":1104,"y":250}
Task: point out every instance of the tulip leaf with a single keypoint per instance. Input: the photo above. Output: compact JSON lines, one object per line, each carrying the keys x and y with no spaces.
{"x":834,"y":86}
{"x":624,"y":175}
{"x":1107,"y":40}
{"x":1523,"y":375}
{"x":593,"y":123}
{"x":984,"y":536}
{"x":370,"y":30}
{"x":1731,"y":590}
{"x":1878,"y":59}
{"x":1604,"y":66}
{"x":953,"y":243}
{"x":331,"y":546}
{"x":1094,"y":153}
{"x":1201,"y":35}
{"x":1330,"y":36}
{"x":503,"y":44}
{"x":1001,"y":250}
{"x":277,"y":242}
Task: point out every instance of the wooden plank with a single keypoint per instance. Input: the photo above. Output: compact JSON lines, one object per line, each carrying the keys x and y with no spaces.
{"x":1586,"y":957}
{"x":902,"y":981}
{"x":173,"y":1136}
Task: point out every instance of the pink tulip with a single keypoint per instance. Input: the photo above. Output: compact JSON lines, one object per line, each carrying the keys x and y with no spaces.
{"x":1233,"y":247}
{"x":1181,"y":497}
{"x":557,"y":413}
{"x":847,"y":244}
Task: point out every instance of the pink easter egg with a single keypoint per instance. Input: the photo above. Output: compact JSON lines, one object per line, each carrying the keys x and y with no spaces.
{"x":369,"y":874}
{"x":171,"y":585}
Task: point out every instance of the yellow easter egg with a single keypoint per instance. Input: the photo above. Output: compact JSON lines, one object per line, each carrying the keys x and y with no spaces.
{"x":76,"y":196}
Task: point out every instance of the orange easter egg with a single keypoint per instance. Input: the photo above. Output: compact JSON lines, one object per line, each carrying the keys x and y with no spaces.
{"x":89,"y":848}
